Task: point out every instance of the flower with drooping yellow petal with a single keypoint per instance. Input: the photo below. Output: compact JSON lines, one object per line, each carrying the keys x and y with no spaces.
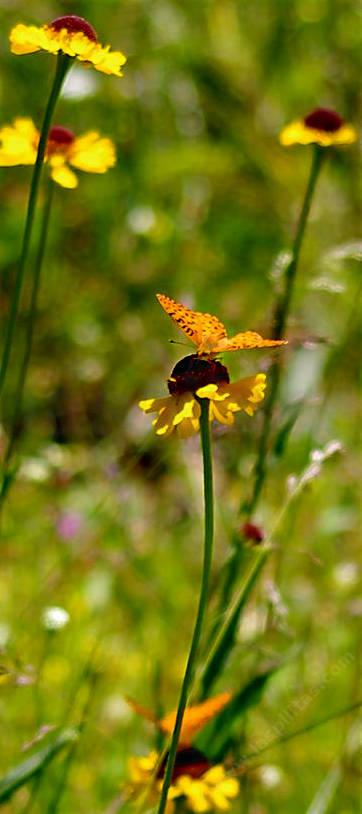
{"x":200,"y":786}
{"x":322,"y":126}
{"x":70,"y":35}
{"x":195,"y":378}
{"x":90,"y":152}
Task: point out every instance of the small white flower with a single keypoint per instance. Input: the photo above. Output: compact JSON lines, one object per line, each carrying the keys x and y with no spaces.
{"x":270,"y":776}
{"x":55,"y":618}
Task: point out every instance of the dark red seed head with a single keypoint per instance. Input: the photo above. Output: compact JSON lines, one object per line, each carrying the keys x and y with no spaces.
{"x":324,"y":119}
{"x":74,"y":24}
{"x":189,"y":761}
{"x":193,"y":372}
{"x":60,"y":135}
{"x":253,"y":532}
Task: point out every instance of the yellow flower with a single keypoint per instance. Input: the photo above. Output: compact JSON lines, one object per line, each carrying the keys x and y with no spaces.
{"x":322,"y":126}
{"x":201,"y":787}
{"x":195,"y":378}
{"x":71,"y":35}
{"x":90,"y":152}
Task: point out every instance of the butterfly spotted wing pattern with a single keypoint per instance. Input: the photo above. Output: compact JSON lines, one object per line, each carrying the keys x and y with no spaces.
{"x":200,"y":328}
{"x":208,"y":333}
{"x":248,"y":340}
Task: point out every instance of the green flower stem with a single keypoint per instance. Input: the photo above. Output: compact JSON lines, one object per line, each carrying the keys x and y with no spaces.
{"x":279,"y":327}
{"x":204,"y":592}
{"x":63,"y":63}
{"x":29,"y":332}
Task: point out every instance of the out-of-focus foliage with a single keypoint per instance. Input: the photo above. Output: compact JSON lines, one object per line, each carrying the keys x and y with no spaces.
{"x":104,"y":519}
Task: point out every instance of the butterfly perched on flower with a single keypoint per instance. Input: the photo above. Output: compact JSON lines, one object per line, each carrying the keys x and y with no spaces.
{"x":195,"y":717}
{"x":208,"y":333}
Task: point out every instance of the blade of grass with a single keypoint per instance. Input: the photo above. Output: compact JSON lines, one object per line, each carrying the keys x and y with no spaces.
{"x":67,"y":763}
{"x":34,"y":765}
{"x":307,"y":728}
{"x":322,"y":800}
{"x":328,"y":788}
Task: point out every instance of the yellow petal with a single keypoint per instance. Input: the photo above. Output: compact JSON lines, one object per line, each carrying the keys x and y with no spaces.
{"x":18,"y":143}
{"x":246,"y":393}
{"x":210,"y":391}
{"x":26,"y":39}
{"x":215,"y":775}
{"x":184,"y":407}
{"x":164,"y":423}
{"x":63,"y":176}
{"x":221,"y":414}
{"x":187,"y":428}
{"x":91,"y":153}
{"x":153,"y":405}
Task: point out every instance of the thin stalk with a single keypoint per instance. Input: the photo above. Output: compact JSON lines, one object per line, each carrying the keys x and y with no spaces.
{"x":279,"y":327}
{"x":308,"y":728}
{"x":29,"y":333}
{"x":63,"y":63}
{"x":204,"y":593}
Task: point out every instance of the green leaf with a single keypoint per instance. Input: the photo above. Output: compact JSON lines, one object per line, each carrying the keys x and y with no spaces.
{"x":227,"y":636}
{"x":216,"y":737}
{"x":22,"y":773}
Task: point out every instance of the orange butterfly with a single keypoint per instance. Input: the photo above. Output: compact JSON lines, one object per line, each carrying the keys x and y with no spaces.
{"x":195,"y":717}
{"x":208,"y":333}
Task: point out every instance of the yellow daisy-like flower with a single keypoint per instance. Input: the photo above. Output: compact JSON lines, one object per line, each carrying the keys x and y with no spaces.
{"x":70,"y":35}
{"x":322,"y":126}
{"x":195,"y":378}
{"x":90,"y":152}
{"x":200,"y":786}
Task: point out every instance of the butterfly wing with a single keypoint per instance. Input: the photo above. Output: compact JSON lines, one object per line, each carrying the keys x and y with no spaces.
{"x":204,"y":330}
{"x":248,"y":340}
{"x":144,"y":712}
{"x":196,"y":716}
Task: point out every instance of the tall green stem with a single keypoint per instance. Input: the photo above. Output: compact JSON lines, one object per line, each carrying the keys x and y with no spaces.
{"x":28,"y":341}
{"x":204,"y":592}
{"x":279,"y":326}
{"x":63,"y":63}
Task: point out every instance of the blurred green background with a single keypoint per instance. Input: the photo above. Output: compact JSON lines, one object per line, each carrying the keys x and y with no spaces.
{"x":105,"y":519}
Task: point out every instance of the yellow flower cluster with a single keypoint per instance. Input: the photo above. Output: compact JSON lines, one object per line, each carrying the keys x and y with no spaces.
{"x":89,"y":152}
{"x":213,"y":790}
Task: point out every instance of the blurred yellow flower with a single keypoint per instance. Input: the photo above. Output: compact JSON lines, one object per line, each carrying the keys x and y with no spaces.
{"x":70,"y":35}
{"x":322,"y":126}
{"x":200,"y":786}
{"x":195,"y":378}
{"x":90,"y":152}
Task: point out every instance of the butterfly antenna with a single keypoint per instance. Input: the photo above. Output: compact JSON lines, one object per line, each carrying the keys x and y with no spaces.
{"x":175,"y":342}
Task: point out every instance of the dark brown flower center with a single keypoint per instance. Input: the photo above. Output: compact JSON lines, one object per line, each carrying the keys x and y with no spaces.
{"x":59,"y":139}
{"x":60,"y":135}
{"x":193,"y":372}
{"x":324,"y":119}
{"x":74,"y":24}
{"x":188,"y":761}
